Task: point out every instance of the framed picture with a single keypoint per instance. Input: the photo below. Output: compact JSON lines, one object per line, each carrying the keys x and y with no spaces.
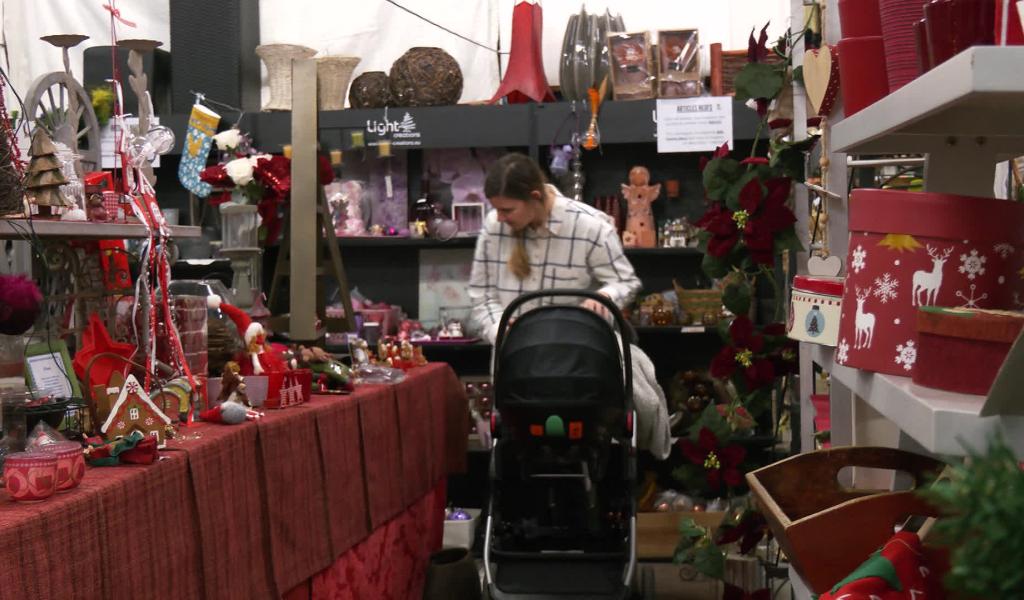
{"x":679,"y":63}
{"x":48,"y":370}
{"x":469,"y":216}
{"x":632,"y":76}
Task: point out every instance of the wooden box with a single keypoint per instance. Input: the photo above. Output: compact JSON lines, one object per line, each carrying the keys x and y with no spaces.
{"x":827,"y":529}
{"x":657,"y":533}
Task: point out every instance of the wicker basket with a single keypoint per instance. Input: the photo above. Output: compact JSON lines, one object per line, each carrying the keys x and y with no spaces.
{"x":725,"y":64}
{"x":278,"y":58}
{"x":698,"y":302}
{"x":332,"y":77}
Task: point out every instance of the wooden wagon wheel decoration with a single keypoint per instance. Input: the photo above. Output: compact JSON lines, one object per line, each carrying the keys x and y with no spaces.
{"x":61,"y":106}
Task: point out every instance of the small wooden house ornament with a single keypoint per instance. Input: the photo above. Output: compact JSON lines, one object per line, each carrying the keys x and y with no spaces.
{"x":133,"y":410}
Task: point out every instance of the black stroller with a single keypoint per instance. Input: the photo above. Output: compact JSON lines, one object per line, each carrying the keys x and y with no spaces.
{"x":561,"y":521}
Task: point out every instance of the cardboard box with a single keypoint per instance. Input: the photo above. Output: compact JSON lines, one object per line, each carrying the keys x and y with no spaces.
{"x":657,"y":533}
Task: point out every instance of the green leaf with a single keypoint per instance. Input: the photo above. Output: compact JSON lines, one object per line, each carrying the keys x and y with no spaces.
{"x":798,"y":74}
{"x":736,"y":296}
{"x":691,"y":530}
{"x":709,"y":560}
{"x":714,"y":421}
{"x":758,"y":80}
{"x":789,"y":157}
{"x":719,"y":175}
{"x":714,"y":267}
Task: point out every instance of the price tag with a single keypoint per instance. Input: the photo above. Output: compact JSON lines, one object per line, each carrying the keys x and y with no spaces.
{"x":694,"y":124}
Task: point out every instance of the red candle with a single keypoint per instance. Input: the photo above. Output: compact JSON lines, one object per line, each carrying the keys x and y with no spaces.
{"x":30,"y":476}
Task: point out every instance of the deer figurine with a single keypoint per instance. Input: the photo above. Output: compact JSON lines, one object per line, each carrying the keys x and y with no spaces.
{"x":929,"y":282}
{"x":865,"y":322}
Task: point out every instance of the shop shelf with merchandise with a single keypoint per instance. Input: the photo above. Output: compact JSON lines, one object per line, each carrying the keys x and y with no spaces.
{"x":16,"y":229}
{"x":964,"y":114}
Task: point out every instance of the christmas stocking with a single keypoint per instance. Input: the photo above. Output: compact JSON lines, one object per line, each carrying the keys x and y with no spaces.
{"x":202,"y":124}
{"x":901,"y":570}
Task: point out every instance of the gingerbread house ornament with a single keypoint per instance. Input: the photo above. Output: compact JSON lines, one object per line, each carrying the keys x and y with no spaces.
{"x":134,"y":411}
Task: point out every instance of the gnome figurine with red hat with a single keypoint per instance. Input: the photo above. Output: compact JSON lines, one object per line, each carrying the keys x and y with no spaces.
{"x":261,"y":358}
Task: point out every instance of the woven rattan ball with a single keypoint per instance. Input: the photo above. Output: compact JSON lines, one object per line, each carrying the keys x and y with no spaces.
{"x":425,"y":77}
{"x":370,"y":90}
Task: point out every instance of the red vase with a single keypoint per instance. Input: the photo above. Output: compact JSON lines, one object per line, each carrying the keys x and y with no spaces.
{"x":859,"y":18}
{"x":913,"y":249}
{"x":898,"y":18}
{"x":862,"y":78}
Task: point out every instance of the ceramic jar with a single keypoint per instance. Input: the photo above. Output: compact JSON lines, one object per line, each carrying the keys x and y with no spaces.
{"x":70,"y":463}
{"x":30,"y":476}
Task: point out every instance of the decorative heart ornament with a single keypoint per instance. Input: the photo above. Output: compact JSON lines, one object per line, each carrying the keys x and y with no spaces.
{"x":821,"y":78}
{"x":824,"y":267}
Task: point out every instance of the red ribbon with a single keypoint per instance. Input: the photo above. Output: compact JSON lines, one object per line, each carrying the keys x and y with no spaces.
{"x":116,"y":14}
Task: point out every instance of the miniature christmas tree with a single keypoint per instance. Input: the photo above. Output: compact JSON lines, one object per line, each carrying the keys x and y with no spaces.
{"x":12,"y":193}
{"x":43,"y":180}
{"x":812,"y":327}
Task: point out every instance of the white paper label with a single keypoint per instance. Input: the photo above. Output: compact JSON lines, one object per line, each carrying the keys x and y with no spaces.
{"x":694,"y":124}
{"x":49,"y":376}
{"x":387,"y":187}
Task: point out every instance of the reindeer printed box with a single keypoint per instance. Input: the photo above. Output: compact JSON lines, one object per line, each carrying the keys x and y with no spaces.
{"x":910,"y":249}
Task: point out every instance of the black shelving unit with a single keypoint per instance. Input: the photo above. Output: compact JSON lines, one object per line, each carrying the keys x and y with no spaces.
{"x":468,"y":241}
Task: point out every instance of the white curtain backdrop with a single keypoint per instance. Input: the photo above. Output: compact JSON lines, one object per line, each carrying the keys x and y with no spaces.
{"x":375,"y":30}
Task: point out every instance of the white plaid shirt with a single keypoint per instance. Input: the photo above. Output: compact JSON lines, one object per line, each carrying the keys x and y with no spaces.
{"x":577,"y":249}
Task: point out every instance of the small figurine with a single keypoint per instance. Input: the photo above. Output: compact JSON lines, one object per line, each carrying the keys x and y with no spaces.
{"x":97,"y":212}
{"x":352,"y":192}
{"x":262,"y":358}
{"x":232,"y":385}
{"x":640,"y":219}
{"x":332,"y":373}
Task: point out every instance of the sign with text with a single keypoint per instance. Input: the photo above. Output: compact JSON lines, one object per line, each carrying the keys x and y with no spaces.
{"x":694,"y":124}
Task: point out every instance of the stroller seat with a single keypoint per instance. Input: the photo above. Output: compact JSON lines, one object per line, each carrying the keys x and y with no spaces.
{"x":561,"y":519}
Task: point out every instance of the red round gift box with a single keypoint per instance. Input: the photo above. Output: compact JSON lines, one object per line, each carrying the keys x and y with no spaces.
{"x":912,"y":248}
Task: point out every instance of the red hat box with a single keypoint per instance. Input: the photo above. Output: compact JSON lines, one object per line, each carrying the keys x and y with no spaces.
{"x":911,"y":249}
{"x":948,"y":335}
{"x":862,"y":78}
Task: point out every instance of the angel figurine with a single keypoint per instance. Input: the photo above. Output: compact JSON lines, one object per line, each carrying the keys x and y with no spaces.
{"x":640,"y":231}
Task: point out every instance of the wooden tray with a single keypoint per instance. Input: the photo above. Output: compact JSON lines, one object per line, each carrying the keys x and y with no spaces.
{"x":828,"y":530}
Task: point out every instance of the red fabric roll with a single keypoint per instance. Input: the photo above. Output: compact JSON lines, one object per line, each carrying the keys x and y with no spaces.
{"x":859,"y":18}
{"x":862,"y":72}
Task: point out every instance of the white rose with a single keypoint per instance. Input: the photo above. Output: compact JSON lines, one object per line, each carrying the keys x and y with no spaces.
{"x":228,"y":140}
{"x":239,"y":170}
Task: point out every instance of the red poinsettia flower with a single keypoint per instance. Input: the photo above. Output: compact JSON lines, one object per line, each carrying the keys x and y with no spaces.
{"x":762,"y":214}
{"x":720,"y":463}
{"x":719,"y":222}
{"x":746,"y":343}
{"x":757,"y":50}
{"x":750,"y":530}
{"x":720,"y":152}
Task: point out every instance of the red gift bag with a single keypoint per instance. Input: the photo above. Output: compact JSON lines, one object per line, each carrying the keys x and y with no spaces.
{"x":910,"y":249}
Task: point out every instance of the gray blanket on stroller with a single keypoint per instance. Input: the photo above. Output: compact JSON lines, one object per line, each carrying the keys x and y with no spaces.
{"x":653,"y":432}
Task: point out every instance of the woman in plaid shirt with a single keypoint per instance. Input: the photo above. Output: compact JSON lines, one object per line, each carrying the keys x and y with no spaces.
{"x":535,"y":238}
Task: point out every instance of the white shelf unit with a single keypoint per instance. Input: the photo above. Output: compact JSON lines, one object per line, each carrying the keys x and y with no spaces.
{"x":16,"y":229}
{"x":965,"y":114}
{"x":938,"y":420}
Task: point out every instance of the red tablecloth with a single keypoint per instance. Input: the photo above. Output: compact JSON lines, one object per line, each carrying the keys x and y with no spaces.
{"x":253,"y":510}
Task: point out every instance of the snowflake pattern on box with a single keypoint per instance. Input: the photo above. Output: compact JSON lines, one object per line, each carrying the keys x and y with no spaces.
{"x":886,"y":288}
{"x":971,"y":302}
{"x":906,"y":355}
{"x":1004,"y":250}
{"x":859,"y":256}
{"x":972,"y":264}
{"x":843,"y":352}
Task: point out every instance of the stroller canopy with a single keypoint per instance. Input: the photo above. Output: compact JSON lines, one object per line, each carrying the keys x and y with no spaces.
{"x":559,"y":356}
